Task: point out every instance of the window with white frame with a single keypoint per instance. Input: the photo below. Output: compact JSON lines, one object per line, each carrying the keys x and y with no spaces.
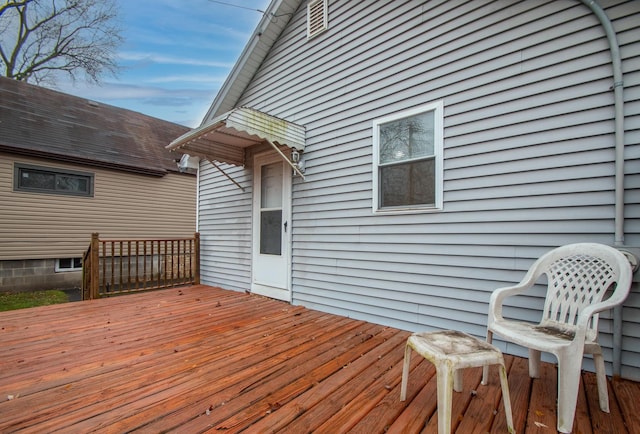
{"x":68,"y":264}
{"x":317,"y":17}
{"x":407,"y":169}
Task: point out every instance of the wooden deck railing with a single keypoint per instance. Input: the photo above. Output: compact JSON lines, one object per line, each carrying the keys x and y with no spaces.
{"x":112,"y":267}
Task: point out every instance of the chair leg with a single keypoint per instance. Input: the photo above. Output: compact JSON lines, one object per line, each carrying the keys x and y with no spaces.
{"x":569,"y":368}
{"x":534,"y":363}
{"x":457,"y":380}
{"x":485,"y":368}
{"x":405,"y":372}
{"x":445,"y":396}
{"x":506,"y":398}
{"x":601,"y":377}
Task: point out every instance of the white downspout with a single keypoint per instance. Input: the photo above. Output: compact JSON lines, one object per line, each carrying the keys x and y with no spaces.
{"x":618,"y":89}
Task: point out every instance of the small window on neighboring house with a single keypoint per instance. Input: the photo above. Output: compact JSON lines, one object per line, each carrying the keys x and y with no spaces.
{"x":407,"y":169}
{"x":317,"y":19}
{"x":68,"y":264}
{"x":54,"y":181}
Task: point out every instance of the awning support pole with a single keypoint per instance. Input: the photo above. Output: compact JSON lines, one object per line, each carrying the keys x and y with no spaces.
{"x":293,"y":166}
{"x":225,"y":174}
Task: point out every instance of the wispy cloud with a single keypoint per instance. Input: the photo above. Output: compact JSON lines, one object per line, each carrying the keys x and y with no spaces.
{"x":183,"y":106}
{"x":199,"y":25}
{"x":119,"y":91}
{"x":171,"y":60}
{"x":206,"y":79}
{"x":175,"y":58}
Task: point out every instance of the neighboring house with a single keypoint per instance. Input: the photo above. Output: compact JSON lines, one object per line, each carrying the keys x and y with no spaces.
{"x":446,"y":146}
{"x":70,"y":167}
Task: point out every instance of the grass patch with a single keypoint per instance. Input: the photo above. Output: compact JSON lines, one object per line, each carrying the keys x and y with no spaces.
{"x":21,"y":300}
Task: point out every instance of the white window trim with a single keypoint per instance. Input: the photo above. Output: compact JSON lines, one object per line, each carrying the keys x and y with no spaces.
{"x":59,"y":269}
{"x":438,"y":146}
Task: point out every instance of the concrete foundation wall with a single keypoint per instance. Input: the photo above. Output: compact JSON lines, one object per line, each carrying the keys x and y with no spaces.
{"x":36,"y":274}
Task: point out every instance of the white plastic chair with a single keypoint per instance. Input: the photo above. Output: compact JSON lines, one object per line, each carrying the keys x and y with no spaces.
{"x":578,"y":276}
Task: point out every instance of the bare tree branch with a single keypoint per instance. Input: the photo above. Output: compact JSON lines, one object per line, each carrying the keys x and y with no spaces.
{"x":40,"y":38}
{"x":13,"y":4}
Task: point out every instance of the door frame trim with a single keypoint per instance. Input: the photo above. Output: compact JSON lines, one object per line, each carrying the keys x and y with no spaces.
{"x":284,"y":294}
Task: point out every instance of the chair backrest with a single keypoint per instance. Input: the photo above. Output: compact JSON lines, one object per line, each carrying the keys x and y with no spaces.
{"x":578,"y":276}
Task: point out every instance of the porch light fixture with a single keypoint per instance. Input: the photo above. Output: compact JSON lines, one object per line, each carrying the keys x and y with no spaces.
{"x":297,"y":160}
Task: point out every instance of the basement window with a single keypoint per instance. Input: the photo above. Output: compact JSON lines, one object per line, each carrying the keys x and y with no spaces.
{"x":68,"y":264}
{"x":317,"y":18}
{"x":49,"y":180}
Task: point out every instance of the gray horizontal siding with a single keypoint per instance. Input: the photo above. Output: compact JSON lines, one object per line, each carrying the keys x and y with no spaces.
{"x":224,"y":222}
{"x":528,"y":154}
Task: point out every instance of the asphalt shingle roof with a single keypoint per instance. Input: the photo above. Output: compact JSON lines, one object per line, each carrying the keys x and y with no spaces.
{"x":45,"y":123}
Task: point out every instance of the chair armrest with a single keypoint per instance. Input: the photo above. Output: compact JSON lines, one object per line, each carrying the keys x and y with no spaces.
{"x":618,"y":297}
{"x":589,"y":311}
{"x":499,"y":295}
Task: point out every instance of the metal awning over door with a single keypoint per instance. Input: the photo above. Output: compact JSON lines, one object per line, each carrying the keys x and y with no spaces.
{"x":225,"y":138}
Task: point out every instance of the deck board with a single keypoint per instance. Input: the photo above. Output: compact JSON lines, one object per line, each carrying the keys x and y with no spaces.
{"x":202,"y":359}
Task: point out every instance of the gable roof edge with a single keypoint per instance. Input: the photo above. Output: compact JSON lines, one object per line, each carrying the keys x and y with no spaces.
{"x":70,"y":159}
{"x":273,"y":22}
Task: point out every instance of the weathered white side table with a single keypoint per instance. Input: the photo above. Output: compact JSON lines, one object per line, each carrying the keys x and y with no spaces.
{"x":451,"y":351}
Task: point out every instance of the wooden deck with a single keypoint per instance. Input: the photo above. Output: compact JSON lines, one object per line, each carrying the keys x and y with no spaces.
{"x":198,"y":359}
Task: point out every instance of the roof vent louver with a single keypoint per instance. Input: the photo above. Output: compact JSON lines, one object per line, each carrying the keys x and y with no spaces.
{"x":317,"y":18}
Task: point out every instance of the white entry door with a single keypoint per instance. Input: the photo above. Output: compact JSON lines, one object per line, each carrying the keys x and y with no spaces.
{"x":271,"y":228}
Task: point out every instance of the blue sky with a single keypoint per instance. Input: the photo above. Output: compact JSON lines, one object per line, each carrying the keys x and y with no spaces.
{"x":175,"y":57}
